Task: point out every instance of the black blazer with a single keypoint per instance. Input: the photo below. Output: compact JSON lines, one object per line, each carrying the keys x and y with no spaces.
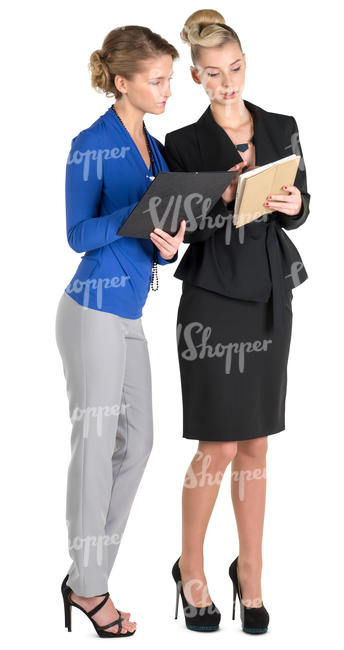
{"x":250,"y":261}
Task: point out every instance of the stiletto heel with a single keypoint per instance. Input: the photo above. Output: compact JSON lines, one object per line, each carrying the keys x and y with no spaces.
{"x":177,"y":598}
{"x":100,"y":629}
{"x":255,"y":620}
{"x":200,"y":619}
{"x":234,"y":599}
{"x":68,"y":616}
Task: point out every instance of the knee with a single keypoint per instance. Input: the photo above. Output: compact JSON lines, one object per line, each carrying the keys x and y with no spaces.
{"x":221,"y":453}
{"x":148,"y":442}
{"x":141,"y":447}
{"x":255,"y":448}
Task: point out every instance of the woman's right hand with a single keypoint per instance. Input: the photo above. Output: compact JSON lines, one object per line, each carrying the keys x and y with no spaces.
{"x":230,"y":191}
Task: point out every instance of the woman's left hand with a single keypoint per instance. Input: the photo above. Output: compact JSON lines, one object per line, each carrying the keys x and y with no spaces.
{"x":287,"y":203}
{"x":168,"y":244}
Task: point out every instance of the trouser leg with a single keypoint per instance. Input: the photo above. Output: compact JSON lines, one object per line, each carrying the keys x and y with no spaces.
{"x":134,"y":435}
{"x":93,"y":351}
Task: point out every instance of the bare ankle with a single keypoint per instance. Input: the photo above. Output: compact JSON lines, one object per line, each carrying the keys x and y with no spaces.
{"x":191,"y":564}
{"x":250,"y":563}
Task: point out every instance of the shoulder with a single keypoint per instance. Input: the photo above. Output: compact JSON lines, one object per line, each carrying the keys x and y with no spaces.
{"x":278,"y":121}
{"x":89,"y":138}
{"x":181,"y":137}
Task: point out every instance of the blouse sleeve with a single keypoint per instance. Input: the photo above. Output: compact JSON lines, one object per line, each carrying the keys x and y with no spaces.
{"x":162,"y":261}
{"x":86,"y":228}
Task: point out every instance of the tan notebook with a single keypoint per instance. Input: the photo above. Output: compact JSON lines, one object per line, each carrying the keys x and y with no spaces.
{"x":254,"y":186}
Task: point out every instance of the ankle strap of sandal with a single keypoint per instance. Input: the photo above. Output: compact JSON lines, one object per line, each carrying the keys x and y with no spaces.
{"x":99,"y":606}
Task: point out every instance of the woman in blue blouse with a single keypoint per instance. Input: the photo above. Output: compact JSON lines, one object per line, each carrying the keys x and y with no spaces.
{"x":98,"y":322}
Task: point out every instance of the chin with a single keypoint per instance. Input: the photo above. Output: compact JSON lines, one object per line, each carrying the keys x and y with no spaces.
{"x":156,"y":110}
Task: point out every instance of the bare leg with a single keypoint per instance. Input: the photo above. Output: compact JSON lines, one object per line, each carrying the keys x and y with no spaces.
{"x":248,"y":490}
{"x":201,"y":487}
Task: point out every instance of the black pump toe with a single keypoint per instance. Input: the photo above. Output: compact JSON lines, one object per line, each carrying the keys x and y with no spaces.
{"x":200,"y":619}
{"x":255,"y":620}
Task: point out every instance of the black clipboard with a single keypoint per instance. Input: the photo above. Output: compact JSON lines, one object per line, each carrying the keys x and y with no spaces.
{"x":173,"y":196}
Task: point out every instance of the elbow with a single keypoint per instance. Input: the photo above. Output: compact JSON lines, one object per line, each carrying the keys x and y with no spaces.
{"x":73,"y":242}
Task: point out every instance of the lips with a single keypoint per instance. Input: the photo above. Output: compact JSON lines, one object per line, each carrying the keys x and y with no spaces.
{"x":229,"y":94}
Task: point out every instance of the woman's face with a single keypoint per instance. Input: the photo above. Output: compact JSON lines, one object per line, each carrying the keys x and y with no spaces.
{"x":221,"y":71}
{"x":149,"y":89}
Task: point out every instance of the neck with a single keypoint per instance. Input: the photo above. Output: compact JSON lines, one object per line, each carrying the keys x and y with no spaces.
{"x":132,"y":117}
{"x":231,"y":115}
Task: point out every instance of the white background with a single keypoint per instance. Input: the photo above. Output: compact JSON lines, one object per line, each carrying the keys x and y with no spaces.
{"x":294,"y":66}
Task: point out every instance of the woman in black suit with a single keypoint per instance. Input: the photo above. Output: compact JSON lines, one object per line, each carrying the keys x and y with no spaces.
{"x":234,"y":318}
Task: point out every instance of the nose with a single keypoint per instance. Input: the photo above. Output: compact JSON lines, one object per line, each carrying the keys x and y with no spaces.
{"x":226,"y":83}
{"x":168,"y":92}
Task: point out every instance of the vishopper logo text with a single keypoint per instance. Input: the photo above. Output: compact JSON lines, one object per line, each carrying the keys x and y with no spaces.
{"x":295,"y":269}
{"x":178,"y":205}
{"x":247,"y":475}
{"x":200,"y":221}
{"x":202,"y":350}
{"x":97,"y":542}
{"x":204,"y":477}
{"x":295,"y":146}
{"x":97,"y":155}
{"x":97,"y":412}
{"x":98,"y":284}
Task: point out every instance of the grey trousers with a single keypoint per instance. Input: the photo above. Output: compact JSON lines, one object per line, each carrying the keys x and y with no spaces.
{"x":107,"y":369}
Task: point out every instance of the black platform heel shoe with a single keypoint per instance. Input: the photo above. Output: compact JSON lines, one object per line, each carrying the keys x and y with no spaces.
{"x":201,"y":619}
{"x":100,"y":629}
{"x":255,"y":620}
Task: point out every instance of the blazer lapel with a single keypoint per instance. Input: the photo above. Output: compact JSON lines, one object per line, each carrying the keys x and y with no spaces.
{"x":218,"y":153}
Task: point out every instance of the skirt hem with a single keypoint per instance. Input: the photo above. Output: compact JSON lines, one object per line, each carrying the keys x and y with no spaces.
{"x":256,"y":435}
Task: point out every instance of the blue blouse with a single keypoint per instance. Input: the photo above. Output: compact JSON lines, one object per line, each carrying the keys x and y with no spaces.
{"x":106,"y":176}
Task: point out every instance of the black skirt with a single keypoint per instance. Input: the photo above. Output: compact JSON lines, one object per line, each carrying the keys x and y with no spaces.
{"x":233,"y":365}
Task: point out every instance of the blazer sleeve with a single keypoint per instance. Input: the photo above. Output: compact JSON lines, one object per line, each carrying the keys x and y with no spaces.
{"x":86,"y":229}
{"x":287,"y":221}
{"x":208,"y":226}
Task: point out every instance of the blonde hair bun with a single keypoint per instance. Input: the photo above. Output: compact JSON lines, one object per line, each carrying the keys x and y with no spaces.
{"x":207,"y":28}
{"x":194,"y":31}
{"x":99,"y":72}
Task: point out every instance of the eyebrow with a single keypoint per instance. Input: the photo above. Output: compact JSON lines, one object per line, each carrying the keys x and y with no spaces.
{"x":170,"y":75}
{"x":215,"y":66}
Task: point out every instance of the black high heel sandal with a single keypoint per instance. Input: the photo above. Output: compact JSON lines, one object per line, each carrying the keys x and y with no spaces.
{"x":255,"y":620}
{"x":100,"y":629}
{"x":200,"y":619}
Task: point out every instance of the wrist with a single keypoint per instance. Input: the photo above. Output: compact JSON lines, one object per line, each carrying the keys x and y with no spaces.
{"x":168,"y":259}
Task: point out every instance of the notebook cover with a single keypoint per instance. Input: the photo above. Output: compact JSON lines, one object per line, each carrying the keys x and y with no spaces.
{"x":173,"y":196}
{"x":258,"y":186}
